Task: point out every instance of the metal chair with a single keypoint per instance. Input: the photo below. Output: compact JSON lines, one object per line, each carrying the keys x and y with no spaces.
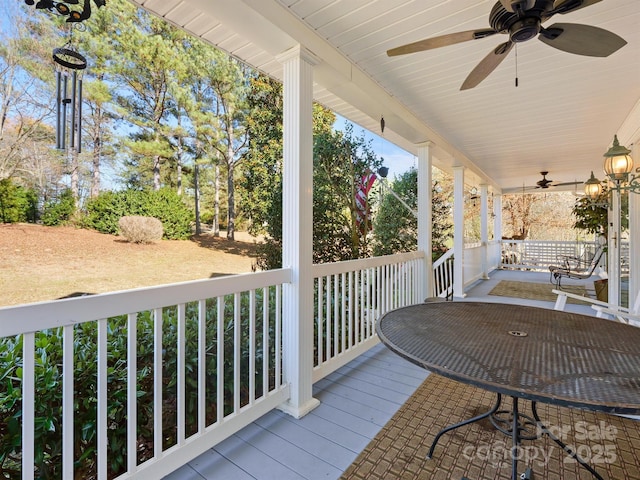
{"x":579,"y":268}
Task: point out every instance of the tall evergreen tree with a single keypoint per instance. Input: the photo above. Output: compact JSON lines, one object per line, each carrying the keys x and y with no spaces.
{"x":229,"y":80}
{"x":148,"y":52}
{"x":340,"y":161}
{"x":95,"y":42}
{"x":260,"y":187}
{"x":199,"y":101}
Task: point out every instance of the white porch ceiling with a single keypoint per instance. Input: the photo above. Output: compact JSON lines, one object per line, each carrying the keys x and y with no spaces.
{"x":561,"y":118}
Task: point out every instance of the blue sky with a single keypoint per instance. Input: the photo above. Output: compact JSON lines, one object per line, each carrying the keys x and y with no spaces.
{"x":396,"y":159}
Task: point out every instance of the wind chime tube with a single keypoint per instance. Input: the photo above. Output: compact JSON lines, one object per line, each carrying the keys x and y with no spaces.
{"x":58,"y":104}
{"x":63,"y":131}
{"x":79,"y":134}
{"x":72,"y":133}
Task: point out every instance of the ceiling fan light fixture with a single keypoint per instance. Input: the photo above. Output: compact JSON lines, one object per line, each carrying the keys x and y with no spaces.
{"x":524,"y":29}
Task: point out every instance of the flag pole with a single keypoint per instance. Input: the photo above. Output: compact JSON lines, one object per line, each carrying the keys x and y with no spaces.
{"x":397,"y":197}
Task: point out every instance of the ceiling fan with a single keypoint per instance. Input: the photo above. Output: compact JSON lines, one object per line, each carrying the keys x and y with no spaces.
{"x":546,"y":183}
{"x":522,"y":20}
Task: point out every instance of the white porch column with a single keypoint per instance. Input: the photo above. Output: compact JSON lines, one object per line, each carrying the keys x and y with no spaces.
{"x":613,"y":260}
{"x":497,"y":219}
{"x":297,"y":229}
{"x":458,"y":232}
{"x":484,"y":229}
{"x":497,"y":224}
{"x":425,"y":216}
{"x":634,"y":234}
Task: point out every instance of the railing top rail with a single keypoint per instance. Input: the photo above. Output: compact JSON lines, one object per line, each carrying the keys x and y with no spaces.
{"x":551,"y":242}
{"x":323,"y":269}
{"x":447,"y":255}
{"x":33,"y":317}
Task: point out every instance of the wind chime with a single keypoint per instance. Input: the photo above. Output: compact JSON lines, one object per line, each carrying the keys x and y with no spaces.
{"x":69,"y":98}
{"x":69,"y":67}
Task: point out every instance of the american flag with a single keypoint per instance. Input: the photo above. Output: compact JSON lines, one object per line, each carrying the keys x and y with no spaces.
{"x":363,"y":186}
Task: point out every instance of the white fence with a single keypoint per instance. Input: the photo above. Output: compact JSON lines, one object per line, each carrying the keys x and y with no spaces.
{"x":137,"y":383}
{"x":538,"y":254}
{"x":351,"y":296}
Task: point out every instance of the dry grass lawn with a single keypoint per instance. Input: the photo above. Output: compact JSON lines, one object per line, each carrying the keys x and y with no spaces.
{"x":40,"y":263}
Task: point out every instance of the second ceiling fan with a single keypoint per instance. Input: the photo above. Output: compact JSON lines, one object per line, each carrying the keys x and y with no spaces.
{"x":522,"y":20}
{"x":546,"y":182}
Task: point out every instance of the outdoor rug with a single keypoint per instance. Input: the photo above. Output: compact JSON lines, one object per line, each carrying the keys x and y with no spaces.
{"x":534,"y":291}
{"x":478,"y":451}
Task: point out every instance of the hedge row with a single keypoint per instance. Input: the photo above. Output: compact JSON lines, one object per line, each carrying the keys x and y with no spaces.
{"x":104,"y":212}
{"x":48,"y":381}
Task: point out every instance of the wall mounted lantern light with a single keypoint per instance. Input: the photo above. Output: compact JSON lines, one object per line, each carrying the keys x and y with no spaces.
{"x":592,"y":187}
{"x":618,"y":166}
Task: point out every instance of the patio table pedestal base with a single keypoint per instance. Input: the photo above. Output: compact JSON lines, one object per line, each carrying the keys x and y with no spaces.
{"x":518,"y":427}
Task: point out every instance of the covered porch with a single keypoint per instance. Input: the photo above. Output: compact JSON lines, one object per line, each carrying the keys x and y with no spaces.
{"x":274,"y":367}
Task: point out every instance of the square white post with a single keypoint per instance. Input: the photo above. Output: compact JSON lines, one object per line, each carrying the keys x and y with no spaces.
{"x":484,"y":229}
{"x":613,"y":260}
{"x":425,"y":217}
{"x":634,"y":234}
{"x":458,"y":232}
{"x":297,"y":230}
{"x":497,"y":225}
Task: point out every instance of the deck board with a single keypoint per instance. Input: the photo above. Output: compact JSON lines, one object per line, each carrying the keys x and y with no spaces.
{"x":356,"y":402}
{"x":296,"y":453}
{"x":341,"y":434}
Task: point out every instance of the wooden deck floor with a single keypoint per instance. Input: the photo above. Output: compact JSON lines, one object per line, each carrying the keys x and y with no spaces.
{"x":356,"y":402}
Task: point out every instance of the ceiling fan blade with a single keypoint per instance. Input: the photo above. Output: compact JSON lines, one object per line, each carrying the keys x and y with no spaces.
{"x":487,"y":65}
{"x":518,"y":190}
{"x":581,"y":39}
{"x":566,"y":6}
{"x":566,"y":183}
{"x":441,"y":41}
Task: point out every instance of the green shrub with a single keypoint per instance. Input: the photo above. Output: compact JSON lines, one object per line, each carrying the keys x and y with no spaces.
{"x":269,"y":255}
{"x":167,"y":206}
{"x":104,"y":212}
{"x":17,"y":204}
{"x":60,"y":210}
{"x":48,"y":381}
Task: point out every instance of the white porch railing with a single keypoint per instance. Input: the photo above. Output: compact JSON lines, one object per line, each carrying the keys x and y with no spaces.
{"x":137,"y":383}
{"x":350,"y":296}
{"x":474,"y":263}
{"x":172,"y":371}
{"x":538,"y":254}
{"x":443,"y":275}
